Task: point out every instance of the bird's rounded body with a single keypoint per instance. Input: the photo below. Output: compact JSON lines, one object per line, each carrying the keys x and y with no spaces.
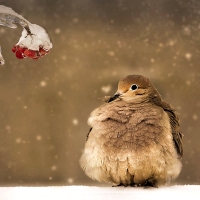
{"x":131,"y":143}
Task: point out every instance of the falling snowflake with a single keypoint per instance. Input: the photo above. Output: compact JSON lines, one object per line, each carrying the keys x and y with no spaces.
{"x":34,"y":42}
{"x":75,"y":20}
{"x":152,"y":60}
{"x":60,"y":93}
{"x":188,"y":82}
{"x":70,"y":180}
{"x":39,"y":137}
{"x":106,"y":89}
{"x":18,"y":140}
{"x":53,"y":168}
{"x":187,"y":30}
{"x":111,"y":53}
{"x":75,"y":122}
{"x":57,"y":31}
{"x":8,"y":128}
{"x":195,"y":117}
{"x":171,"y":42}
{"x":43,"y":83}
{"x":188,"y":56}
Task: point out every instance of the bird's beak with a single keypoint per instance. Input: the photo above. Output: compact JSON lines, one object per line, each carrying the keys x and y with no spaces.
{"x":114,"y":97}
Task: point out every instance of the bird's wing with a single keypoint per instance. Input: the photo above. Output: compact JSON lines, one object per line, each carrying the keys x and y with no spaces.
{"x":174,"y":122}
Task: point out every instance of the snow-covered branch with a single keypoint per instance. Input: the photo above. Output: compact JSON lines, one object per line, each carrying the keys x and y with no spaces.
{"x":34,"y":41}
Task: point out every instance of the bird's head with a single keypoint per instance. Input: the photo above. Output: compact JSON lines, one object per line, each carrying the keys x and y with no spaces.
{"x":136,"y":89}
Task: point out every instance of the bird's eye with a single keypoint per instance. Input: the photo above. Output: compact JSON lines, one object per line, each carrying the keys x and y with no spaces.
{"x":134,"y":87}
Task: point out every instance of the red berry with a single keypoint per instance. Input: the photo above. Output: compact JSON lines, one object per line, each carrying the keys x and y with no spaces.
{"x":21,"y":49}
{"x":14,"y":49}
{"x":19,"y":55}
{"x":36,"y":58}
{"x":43,"y":52}
{"x":31,"y":53}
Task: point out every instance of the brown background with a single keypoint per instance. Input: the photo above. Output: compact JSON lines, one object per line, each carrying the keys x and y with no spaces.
{"x":44,"y":105}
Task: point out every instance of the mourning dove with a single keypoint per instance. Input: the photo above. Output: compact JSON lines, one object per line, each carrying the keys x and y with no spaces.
{"x":135,"y":139}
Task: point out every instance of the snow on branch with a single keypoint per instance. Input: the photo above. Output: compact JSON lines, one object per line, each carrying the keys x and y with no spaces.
{"x":34,"y":42}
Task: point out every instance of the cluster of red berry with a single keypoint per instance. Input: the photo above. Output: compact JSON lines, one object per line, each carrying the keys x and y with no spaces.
{"x":23,"y":52}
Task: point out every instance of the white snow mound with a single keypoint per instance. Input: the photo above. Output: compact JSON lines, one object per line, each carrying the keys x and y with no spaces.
{"x":96,"y":193}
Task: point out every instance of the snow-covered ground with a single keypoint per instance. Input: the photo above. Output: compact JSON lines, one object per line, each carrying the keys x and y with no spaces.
{"x":191,"y":192}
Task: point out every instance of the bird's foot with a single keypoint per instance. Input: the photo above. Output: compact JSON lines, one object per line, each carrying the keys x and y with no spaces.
{"x":120,"y":185}
{"x":127,"y":185}
{"x":151,"y":182}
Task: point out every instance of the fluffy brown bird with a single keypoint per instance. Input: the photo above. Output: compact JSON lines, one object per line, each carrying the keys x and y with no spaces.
{"x":135,"y":139}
